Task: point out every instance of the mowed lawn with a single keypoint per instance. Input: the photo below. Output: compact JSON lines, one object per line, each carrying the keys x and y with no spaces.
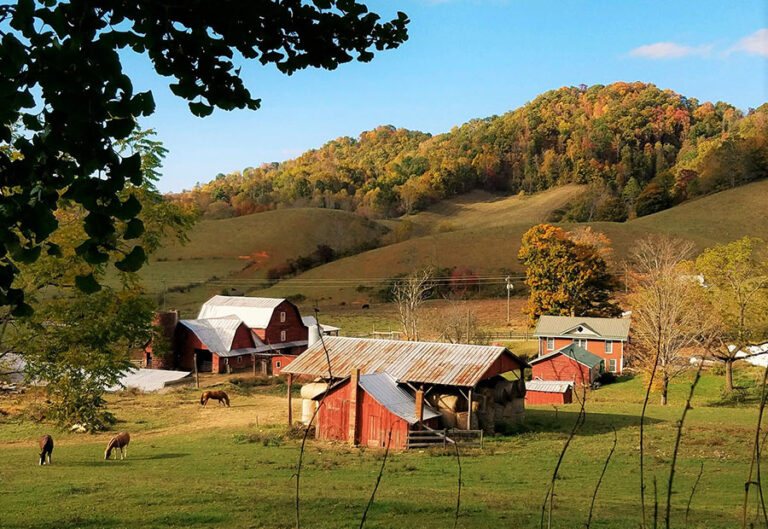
{"x":194,"y":467}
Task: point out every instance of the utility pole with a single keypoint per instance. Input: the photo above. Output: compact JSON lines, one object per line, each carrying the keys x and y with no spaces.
{"x":509,"y":291}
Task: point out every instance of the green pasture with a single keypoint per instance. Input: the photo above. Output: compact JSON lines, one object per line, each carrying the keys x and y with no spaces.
{"x":218,"y":467}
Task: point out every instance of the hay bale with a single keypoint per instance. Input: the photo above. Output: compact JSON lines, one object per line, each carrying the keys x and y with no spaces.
{"x":461,"y":420}
{"x":448,"y":401}
{"x":448,"y":418}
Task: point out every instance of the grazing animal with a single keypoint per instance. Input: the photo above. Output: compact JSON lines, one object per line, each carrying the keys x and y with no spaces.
{"x":46,"y":448}
{"x":118,"y":442}
{"x":222,"y":397}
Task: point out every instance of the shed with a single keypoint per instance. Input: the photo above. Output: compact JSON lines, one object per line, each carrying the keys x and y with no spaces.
{"x":371,"y":410}
{"x":572,"y":363}
{"x":439,"y":369}
{"x":548,"y":392}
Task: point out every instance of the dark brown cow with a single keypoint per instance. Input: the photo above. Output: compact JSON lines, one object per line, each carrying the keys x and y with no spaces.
{"x":118,"y":442}
{"x":46,"y":448}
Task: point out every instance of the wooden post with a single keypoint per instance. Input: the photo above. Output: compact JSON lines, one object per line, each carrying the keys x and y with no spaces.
{"x":197,"y":377}
{"x":290,"y":410}
{"x":354,"y":381}
{"x":253,"y":361}
{"x":419,"y":405}
{"x":469,"y":410}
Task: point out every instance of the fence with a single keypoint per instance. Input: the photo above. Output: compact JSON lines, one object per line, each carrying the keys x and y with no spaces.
{"x":442,"y":438}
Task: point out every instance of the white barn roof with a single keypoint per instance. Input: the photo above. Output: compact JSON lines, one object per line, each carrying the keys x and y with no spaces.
{"x":548,"y":386}
{"x":255,"y":312}
{"x":216,"y":333}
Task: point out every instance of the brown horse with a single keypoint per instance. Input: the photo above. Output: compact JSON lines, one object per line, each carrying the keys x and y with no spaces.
{"x":118,"y":442}
{"x":222,"y":397}
{"x":46,"y":448}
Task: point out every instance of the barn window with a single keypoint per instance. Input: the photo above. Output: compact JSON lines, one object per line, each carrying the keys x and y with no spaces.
{"x":282,"y":336}
{"x":550,"y":344}
{"x":282,"y":317}
{"x":278,"y":364}
{"x":239,"y":359}
{"x":612,"y":365}
{"x":608,"y":347}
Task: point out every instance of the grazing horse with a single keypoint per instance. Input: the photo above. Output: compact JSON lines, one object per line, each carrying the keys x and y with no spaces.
{"x":46,"y":448}
{"x":222,"y":397}
{"x":120,"y":441}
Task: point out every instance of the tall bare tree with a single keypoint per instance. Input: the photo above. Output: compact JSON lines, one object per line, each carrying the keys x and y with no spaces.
{"x":666,"y":308}
{"x":456,"y":323}
{"x":409,"y":295}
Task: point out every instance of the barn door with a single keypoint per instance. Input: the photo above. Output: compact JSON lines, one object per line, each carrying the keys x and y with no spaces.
{"x":374,"y":431}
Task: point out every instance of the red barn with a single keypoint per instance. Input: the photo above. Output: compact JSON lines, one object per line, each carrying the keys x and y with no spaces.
{"x":276,"y":324}
{"x":548,"y":392}
{"x":571,"y":363}
{"x":461,"y":380}
{"x":217,"y":343}
{"x":369,"y":410}
{"x":603,"y":337}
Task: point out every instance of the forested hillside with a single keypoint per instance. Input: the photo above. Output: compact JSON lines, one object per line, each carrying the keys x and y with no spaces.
{"x":640,"y":149}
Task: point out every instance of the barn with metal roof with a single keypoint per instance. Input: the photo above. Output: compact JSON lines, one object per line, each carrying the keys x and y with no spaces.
{"x":462,"y":381}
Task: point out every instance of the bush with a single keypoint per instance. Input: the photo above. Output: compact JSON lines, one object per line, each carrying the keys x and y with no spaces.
{"x":717,"y":369}
{"x":606,"y":378}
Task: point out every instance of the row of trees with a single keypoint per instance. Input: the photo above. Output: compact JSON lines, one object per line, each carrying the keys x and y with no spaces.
{"x":715,"y":304}
{"x":640,"y":148}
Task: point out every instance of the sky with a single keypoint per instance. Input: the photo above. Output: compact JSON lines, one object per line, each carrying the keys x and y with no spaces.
{"x":468,"y":59}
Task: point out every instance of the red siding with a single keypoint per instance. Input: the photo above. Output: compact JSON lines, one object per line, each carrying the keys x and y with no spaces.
{"x":562,"y":367}
{"x":283,"y":360}
{"x":187,"y":342}
{"x":293,"y":326}
{"x":374,"y":421}
{"x":596,"y":347}
{"x":545,"y":397}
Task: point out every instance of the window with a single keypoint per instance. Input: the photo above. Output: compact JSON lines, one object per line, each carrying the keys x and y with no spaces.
{"x":282,"y":336}
{"x":612,"y":365}
{"x":550,"y":344}
{"x":278,"y":364}
{"x":581,"y":343}
{"x":608,"y":347}
{"x":239,"y":359}
{"x":282,"y":317}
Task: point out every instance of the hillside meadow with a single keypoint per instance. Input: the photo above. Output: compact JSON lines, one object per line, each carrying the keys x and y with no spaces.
{"x":208,"y":467}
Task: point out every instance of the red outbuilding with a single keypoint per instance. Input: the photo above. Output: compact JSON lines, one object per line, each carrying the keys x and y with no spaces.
{"x":548,"y":392}
{"x":372,"y":410}
{"x":571,"y":363}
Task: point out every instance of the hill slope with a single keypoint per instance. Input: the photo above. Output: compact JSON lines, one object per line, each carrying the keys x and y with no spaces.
{"x":486,"y":237}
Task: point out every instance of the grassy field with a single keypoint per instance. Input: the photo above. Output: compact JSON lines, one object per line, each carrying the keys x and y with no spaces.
{"x":217,"y":467}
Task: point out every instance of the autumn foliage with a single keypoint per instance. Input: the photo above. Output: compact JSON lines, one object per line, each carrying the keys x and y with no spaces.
{"x":566,"y":277}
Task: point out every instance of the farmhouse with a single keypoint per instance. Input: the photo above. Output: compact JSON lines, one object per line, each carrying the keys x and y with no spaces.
{"x":462,"y":383}
{"x":548,"y":392}
{"x":571,"y":363}
{"x":604,"y":337}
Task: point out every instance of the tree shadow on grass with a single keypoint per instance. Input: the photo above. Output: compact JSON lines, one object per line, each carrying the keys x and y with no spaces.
{"x":596,"y":423}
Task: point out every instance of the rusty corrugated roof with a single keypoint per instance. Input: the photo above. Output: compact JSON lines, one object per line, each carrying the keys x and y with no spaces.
{"x":419,"y":362}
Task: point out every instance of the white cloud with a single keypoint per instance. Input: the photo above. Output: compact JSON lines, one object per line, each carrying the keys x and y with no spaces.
{"x":754,"y":44}
{"x":670,"y":50}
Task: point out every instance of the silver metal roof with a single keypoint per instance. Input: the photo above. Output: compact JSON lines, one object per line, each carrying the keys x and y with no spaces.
{"x":148,"y":379}
{"x":309,"y":321}
{"x":567,"y":326}
{"x":255,"y":312}
{"x":419,"y":362}
{"x":548,"y":386}
{"x":216,"y":333}
{"x":384,"y":388}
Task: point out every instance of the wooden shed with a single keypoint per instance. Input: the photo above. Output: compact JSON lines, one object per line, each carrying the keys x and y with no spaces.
{"x":372,"y":410}
{"x":462,"y":375}
{"x":548,"y":392}
{"x":572,"y":363}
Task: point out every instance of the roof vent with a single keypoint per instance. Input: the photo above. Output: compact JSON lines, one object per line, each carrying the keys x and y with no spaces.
{"x":581,"y":329}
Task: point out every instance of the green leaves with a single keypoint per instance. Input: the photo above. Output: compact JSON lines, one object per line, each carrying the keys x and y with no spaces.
{"x":87,"y":284}
{"x":133,"y":261}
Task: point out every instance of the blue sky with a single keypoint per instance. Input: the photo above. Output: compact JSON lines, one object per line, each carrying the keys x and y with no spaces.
{"x":466,"y":59}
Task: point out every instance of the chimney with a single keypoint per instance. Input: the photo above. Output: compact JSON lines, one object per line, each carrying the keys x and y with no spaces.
{"x":419,"y":411}
{"x":354,"y":381}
